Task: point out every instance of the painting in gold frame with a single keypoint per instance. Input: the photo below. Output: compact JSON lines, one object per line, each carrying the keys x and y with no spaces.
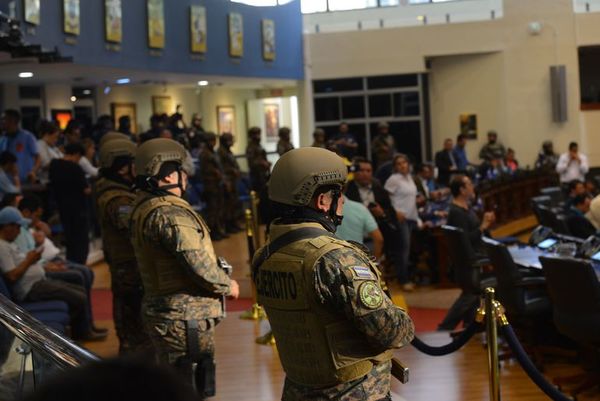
{"x":156,"y":24}
{"x":113,"y":21}
{"x":118,"y":110}
{"x":225,"y":119}
{"x":71,"y":13}
{"x":162,"y":105}
{"x":198,"y":29}
{"x":271,"y":112}
{"x":236,"y":35}
{"x":31,"y":11}
{"x":268,"y":39}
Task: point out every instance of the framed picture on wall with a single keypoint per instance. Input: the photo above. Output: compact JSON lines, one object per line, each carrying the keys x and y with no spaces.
{"x":113,"y":21}
{"x":468,"y":125}
{"x":118,"y":110}
{"x":31,"y":11}
{"x":271,"y":112}
{"x":156,"y":24}
{"x":71,"y":24}
{"x":197,"y":29}
{"x":236,"y":35}
{"x":225,"y":119}
{"x":268,"y":39}
{"x":62,"y":117}
{"x":162,"y":105}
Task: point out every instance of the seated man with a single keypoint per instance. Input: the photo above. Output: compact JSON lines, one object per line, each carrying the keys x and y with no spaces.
{"x":29,"y":282}
{"x":573,"y":189}
{"x":9,"y":175}
{"x":462,"y":216}
{"x":359,"y":224}
{"x":579,"y":225}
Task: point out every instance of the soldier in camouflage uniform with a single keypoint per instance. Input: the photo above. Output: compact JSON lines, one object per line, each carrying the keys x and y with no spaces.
{"x":284,"y":144}
{"x":383,"y":145}
{"x":257,"y":161}
{"x":114,"y":197}
{"x":232,"y":174}
{"x":213,"y":195}
{"x":183,"y":282}
{"x":334,"y":326}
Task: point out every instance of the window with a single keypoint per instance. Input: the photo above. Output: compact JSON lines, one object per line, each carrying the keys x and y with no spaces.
{"x":380,"y":105}
{"x":338,"y":5}
{"x":260,"y":3}
{"x":327,"y":109}
{"x":338,"y":85}
{"x":313,"y":6}
{"x":392,"y":81}
{"x":353,"y":107}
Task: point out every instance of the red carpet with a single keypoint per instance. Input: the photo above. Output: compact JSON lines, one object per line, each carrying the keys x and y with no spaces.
{"x":425,"y":319}
{"x":102,"y":304}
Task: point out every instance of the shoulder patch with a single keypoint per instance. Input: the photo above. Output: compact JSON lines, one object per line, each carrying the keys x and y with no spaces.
{"x":362,"y":273}
{"x":370,"y":295}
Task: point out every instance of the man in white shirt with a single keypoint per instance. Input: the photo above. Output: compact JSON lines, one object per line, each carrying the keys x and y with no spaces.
{"x":572,"y":165}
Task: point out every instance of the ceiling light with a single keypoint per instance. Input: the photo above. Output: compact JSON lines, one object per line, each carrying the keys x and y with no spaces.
{"x":73,"y":98}
{"x":25,"y":74}
{"x":106,"y":90}
{"x":123,"y":81}
{"x":87,"y":92}
{"x":202,"y":83}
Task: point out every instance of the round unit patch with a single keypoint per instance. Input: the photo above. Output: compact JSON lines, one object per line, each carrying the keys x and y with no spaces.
{"x":370,"y":295}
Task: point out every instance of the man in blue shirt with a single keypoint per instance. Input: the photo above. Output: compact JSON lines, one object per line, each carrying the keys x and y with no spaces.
{"x":460,"y":154}
{"x":20,"y":143}
{"x":357,"y":224}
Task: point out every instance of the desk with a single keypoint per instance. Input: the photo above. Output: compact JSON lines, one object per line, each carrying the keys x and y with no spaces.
{"x":529,"y":257}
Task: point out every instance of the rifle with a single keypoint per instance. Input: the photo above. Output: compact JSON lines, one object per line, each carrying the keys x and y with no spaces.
{"x":399,"y":371}
{"x":228,"y":269}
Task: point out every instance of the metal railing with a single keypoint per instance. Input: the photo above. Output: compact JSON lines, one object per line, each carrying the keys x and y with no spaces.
{"x":29,"y":349}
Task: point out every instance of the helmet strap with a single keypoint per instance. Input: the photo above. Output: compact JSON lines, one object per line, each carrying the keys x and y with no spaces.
{"x":332,"y":213}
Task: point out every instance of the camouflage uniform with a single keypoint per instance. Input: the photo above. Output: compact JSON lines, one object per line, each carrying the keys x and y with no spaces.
{"x":259,"y":174}
{"x":337,"y":281}
{"x":231,"y":170}
{"x":114,"y":203}
{"x":383,"y":148}
{"x":182,"y":279}
{"x":212,"y":194}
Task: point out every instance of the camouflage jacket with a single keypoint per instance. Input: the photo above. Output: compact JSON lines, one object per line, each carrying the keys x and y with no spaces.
{"x":230,"y":166}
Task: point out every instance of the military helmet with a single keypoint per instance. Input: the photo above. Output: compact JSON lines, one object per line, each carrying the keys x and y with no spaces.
{"x":152,"y":154}
{"x":112,"y":135}
{"x":299,"y":172}
{"x":115,"y":148}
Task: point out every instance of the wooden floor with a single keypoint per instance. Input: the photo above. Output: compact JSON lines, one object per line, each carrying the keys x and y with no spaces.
{"x":248,"y":371}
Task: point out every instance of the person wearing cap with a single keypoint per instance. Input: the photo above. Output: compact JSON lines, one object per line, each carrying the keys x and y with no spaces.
{"x":71,"y":190}
{"x":29,"y":282}
{"x":383,"y":145}
{"x":211,"y":174}
{"x":231,"y":175}
{"x":334,"y":326}
{"x":184,"y":283}
{"x":492,"y":149}
{"x":114,"y":199}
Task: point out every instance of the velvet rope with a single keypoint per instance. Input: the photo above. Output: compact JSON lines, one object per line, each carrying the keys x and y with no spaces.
{"x":455,"y":345}
{"x":529,"y":367}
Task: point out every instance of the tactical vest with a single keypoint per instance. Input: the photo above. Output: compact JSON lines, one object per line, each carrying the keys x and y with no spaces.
{"x":161,"y":273}
{"x":117,"y":245}
{"x":316,"y":347}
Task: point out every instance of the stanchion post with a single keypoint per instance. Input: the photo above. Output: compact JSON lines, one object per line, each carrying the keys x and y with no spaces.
{"x":492,"y":343}
{"x":256,"y":312}
{"x":255,"y":220}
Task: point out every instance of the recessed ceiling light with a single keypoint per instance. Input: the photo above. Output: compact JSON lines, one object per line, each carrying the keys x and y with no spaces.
{"x":202,"y":83}
{"x":123,"y":81}
{"x":73,"y":98}
{"x":25,"y":74}
{"x":87,"y":92}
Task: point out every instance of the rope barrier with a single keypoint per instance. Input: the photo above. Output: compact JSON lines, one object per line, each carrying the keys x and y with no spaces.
{"x":529,"y":367}
{"x":455,"y":345}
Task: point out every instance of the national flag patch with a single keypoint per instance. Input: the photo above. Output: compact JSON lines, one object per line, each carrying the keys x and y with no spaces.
{"x":362,"y":272}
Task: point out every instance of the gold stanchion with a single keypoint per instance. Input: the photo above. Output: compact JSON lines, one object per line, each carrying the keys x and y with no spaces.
{"x":491,"y":308}
{"x":254,"y":201}
{"x":267,"y":339}
{"x":256,"y":312}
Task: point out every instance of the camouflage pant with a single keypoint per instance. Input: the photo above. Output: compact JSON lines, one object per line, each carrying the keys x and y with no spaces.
{"x":166,"y":326}
{"x":375,"y":386}
{"x":127,"y":302}
{"x":214,"y":212}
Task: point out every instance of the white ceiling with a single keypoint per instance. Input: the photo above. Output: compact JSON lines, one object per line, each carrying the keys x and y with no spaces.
{"x":78,"y":74}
